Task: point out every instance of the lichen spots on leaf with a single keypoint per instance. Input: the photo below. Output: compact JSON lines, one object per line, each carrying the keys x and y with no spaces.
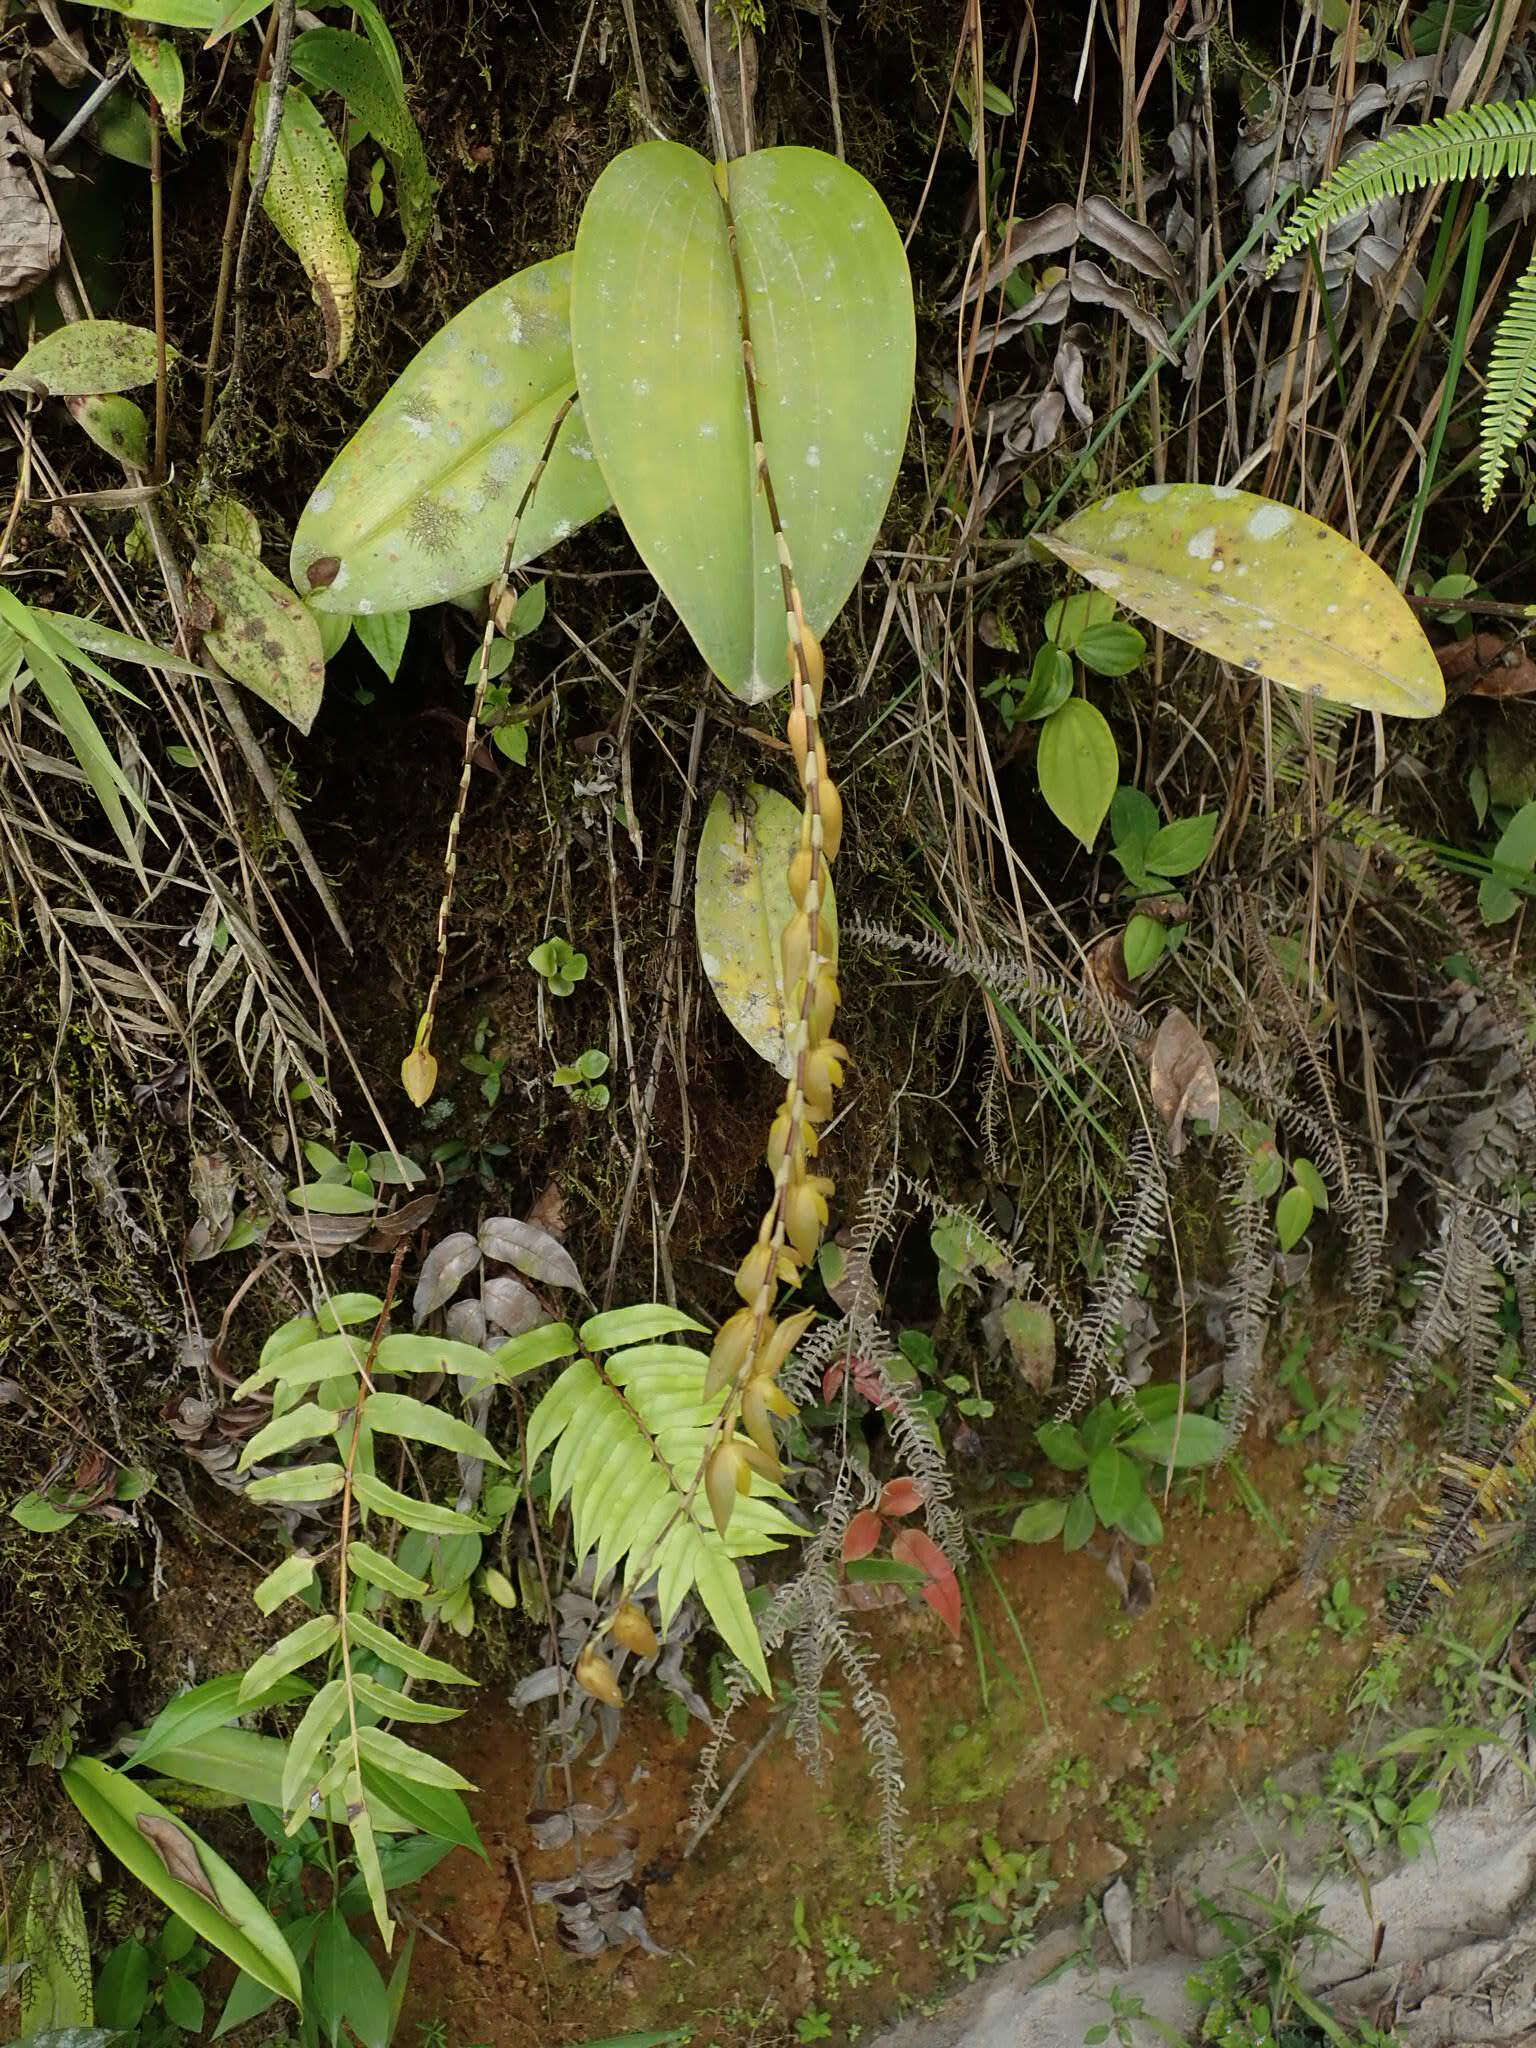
{"x":1240,"y":576}
{"x":433,"y":526}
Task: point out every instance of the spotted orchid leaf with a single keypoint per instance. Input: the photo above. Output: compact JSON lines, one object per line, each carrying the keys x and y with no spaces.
{"x":656,"y":333}
{"x":741,"y":904}
{"x":417,"y":507}
{"x":1261,"y":585}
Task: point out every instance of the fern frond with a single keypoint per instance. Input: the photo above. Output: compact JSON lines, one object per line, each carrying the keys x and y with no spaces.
{"x":1253,"y":1268}
{"x":629,"y":1433}
{"x":1137,"y":1228}
{"x":1510,"y":397}
{"x":1490,"y":141}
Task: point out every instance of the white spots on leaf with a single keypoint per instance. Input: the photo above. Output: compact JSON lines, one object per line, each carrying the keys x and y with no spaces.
{"x":1108,"y":579}
{"x":708,"y":430}
{"x":1153,"y":494}
{"x":579,"y":447}
{"x":1202,"y":545}
{"x":561,"y":530}
{"x":323,"y":500}
{"x":342,"y":578}
{"x":364,"y":604}
{"x":512,"y":326}
{"x":1270,"y":521}
{"x":422,"y":429}
{"x":813,"y":457}
{"x":1331,"y":609}
{"x":501,"y":417}
{"x":1223,"y":490}
{"x":641,"y":387}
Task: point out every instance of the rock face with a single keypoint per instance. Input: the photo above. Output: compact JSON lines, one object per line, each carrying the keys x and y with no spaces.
{"x":1442,"y":1949}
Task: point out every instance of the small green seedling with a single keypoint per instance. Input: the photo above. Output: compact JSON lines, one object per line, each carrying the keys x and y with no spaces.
{"x":585,"y":1079}
{"x":560,"y":965}
{"x":1117,"y":1449}
{"x":350,"y":1186}
{"x":485,"y":1064}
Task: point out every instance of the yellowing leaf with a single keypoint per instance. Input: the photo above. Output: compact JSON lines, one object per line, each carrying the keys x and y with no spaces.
{"x":262,"y":634}
{"x":1078,"y":765}
{"x":741,"y":904}
{"x":306,"y":202}
{"x":1261,"y":585}
{"x":419,"y":504}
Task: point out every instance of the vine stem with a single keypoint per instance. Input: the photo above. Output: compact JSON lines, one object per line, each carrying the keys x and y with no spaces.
{"x":157,"y":257}
{"x":364,"y":1389}
{"x":497,"y":592}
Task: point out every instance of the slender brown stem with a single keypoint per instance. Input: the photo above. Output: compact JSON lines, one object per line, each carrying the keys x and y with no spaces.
{"x":472,"y":728}
{"x":231,"y":225}
{"x":157,"y":246}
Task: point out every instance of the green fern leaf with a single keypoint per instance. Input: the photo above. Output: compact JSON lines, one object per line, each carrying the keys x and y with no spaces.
{"x":628,"y":1436}
{"x":1491,"y":141}
{"x":1510,"y":398}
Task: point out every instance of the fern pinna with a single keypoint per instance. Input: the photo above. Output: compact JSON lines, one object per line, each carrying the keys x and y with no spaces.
{"x":1493,"y":141}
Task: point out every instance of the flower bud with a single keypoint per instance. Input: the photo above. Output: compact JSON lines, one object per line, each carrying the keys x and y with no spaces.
{"x":755,"y":1272}
{"x":631,"y":1630}
{"x":805,"y":1217}
{"x":795,"y":946}
{"x":823,"y":1073}
{"x":418,"y":1075}
{"x":733,"y":1341}
{"x":785,"y":1137}
{"x":594,"y":1674}
{"x":800,"y":875}
{"x":764,"y":1463}
{"x":754,"y":1416}
{"x":815,"y":663}
{"x":824,"y":1003}
{"x":771,"y":1358}
{"x":726,"y":1475}
{"x":798,"y":730}
{"x":830,"y":804}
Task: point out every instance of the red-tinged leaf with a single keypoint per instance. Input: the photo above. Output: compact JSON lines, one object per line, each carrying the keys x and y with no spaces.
{"x":831,"y":1380}
{"x":942,"y":1592}
{"x":901,"y":1497}
{"x":861,"y":1535}
{"x":868,"y":1382}
{"x":943,"y":1596}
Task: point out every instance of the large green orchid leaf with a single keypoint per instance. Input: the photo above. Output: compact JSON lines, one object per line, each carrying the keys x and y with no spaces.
{"x":656,"y":334}
{"x":418,"y":505}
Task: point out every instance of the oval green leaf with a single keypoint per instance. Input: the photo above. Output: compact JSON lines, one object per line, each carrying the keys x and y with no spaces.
{"x":1039,"y":1521}
{"x":1114,"y":1485}
{"x":84,"y":358}
{"x":1293,"y":1215}
{"x":656,"y":333}
{"x":741,"y":904}
{"x":232,"y":1920}
{"x":116,"y":424}
{"x":418,"y":506}
{"x":262,"y":635}
{"x":1079,"y":766}
{"x":1184,"y":1442}
{"x":1260,"y":585}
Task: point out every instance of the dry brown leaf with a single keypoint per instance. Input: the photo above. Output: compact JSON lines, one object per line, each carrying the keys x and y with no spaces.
{"x":29,"y":236}
{"x":178,"y":1852}
{"x":1184,"y":1083}
{"x":1487,"y":665}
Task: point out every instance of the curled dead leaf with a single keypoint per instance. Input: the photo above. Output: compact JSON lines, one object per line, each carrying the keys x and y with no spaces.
{"x":178,"y":1852}
{"x":1184,"y":1083}
{"x":1487,"y":665}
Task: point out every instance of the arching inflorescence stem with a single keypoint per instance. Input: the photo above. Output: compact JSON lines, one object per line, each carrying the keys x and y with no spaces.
{"x":752,"y":1345}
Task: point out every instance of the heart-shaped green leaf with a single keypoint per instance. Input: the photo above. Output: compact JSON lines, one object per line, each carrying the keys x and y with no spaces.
{"x":1078,"y":765}
{"x":656,"y":333}
{"x":262,"y":634}
{"x":418,"y":505}
{"x":1261,"y":585}
{"x":741,"y":904}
